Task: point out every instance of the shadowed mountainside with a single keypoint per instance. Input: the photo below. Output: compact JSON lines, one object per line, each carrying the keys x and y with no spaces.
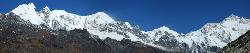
{"x":240,"y":45}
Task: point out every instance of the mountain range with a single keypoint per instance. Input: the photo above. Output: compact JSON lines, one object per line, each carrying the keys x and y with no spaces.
{"x":210,"y":38}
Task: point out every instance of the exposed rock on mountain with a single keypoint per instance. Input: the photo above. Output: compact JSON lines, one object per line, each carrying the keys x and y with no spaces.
{"x":210,"y":38}
{"x":19,"y":36}
{"x":240,"y":45}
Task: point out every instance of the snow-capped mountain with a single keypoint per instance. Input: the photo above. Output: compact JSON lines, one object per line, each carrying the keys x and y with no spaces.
{"x":209,"y":38}
{"x":217,"y":34}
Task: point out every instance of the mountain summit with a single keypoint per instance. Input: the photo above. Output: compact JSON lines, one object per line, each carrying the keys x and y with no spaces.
{"x":210,"y":38}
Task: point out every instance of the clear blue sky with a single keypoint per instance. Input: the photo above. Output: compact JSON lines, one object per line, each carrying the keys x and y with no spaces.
{"x":180,"y":15}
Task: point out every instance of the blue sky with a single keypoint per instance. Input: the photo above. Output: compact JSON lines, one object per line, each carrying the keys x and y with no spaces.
{"x":182,"y":16}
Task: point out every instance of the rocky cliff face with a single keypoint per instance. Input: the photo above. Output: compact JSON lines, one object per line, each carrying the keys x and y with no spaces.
{"x":19,"y":36}
{"x":240,"y":45}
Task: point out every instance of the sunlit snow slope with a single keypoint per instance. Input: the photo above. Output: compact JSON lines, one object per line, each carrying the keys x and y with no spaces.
{"x":103,"y":26}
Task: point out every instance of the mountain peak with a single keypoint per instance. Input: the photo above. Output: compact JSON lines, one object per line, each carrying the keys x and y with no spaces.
{"x":103,"y":25}
{"x":232,"y":17}
{"x":164,"y":29}
{"x":28,"y":12}
{"x":28,"y":7}
{"x":101,"y":18}
{"x":234,"y":20}
{"x":45,"y":10}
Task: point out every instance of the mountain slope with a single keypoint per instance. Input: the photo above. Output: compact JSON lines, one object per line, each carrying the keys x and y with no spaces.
{"x":217,"y":35}
{"x":240,"y":45}
{"x":19,"y":36}
{"x":210,"y":38}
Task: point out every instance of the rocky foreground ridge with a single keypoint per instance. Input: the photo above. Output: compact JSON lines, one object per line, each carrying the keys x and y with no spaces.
{"x":240,"y":45}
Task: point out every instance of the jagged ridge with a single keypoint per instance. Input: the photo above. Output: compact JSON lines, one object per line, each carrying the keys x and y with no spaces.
{"x":19,"y":36}
{"x":212,"y":35}
{"x":240,"y":45}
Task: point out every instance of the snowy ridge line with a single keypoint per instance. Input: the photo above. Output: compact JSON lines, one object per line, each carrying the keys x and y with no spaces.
{"x":60,"y":19}
{"x":103,"y":26}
